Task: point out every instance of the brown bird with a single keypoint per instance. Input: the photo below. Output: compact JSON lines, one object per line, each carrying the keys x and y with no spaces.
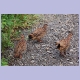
{"x":20,"y":47}
{"x":38,"y":33}
{"x":64,"y":44}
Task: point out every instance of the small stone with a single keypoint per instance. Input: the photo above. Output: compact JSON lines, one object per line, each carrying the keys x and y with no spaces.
{"x":48,"y":52}
{"x":47,"y":49}
{"x":67,"y":59}
{"x":61,"y":64}
{"x":32,"y":61}
{"x":32,"y":54}
{"x":77,"y":61}
{"x":71,"y":62}
{"x":63,"y":29}
{"x":71,"y":29}
{"x":45,"y":59}
{"x":37,"y":46}
{"x":48,"y":45}
{"x":43,"y":45}
{"x":32,"y":57}
{"x":52,"y":28}
{"x":71,"y":50}
{"x":74,"y":48}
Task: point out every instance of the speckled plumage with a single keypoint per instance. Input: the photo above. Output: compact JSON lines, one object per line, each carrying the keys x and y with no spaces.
{"x":64,"y":44}
{"x":20,"y":47}
{"x":38,"y":33}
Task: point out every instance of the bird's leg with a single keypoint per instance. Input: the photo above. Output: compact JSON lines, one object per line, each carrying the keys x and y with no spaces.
{"x":65,"y":52}
{"x":20,"y":56}
{"x":62,"y":54}
{"x":39,"y":40}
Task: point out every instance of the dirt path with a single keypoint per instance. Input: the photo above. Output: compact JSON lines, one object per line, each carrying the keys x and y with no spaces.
{"x":45,"y":54}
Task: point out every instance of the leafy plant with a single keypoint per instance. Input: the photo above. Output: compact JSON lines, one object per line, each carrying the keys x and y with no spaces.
{"x":4,"y":62}
{"x":10,"y":28}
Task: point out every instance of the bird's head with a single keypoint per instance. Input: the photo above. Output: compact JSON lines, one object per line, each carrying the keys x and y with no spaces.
{"x":45,"y":26}
{"x":57,"y":44}
{"x":30,"y":36}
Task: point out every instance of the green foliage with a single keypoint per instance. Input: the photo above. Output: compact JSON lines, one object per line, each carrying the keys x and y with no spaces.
{"x":11,"y":24}
{"x":4,"y":62}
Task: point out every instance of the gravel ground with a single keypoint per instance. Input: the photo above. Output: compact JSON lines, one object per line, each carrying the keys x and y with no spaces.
{"x":45,"y":54}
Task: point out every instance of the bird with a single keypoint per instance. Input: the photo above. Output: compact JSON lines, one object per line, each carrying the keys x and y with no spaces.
{"x":20,"y":47}
{"x":38,"y":33}
{"x":64,"y":44}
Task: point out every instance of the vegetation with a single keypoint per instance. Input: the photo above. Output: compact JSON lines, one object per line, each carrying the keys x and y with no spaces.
{"x":11,"y":25}
{"x":4,"y":61}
